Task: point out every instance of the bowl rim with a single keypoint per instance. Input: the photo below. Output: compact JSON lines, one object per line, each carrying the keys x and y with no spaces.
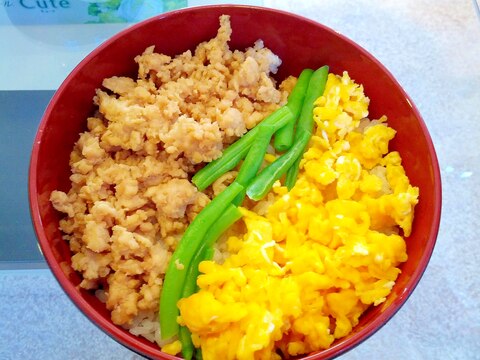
{"x":132,"y":342}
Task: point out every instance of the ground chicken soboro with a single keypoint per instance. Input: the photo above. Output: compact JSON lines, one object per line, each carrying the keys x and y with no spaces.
{"x":131,"y":198}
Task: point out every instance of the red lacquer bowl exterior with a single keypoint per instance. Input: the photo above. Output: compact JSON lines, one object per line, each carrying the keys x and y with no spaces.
{"x":300,"y":43}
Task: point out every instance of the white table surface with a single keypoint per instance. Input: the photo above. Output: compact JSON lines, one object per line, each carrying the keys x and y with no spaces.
{"x":432,"y":47}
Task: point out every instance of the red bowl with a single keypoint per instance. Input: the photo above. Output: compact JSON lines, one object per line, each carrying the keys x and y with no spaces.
{"x":300,"y":43}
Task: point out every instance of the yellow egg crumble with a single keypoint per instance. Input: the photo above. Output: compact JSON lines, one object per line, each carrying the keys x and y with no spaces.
{"x":302,"y":274}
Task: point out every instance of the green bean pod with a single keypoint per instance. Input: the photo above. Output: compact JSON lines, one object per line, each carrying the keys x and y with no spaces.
{"x":292,"y":174}
{"x":284,"y":136}
{"x":262,"y":184}
{"x":230,"y":158}
{"x":182,"y":257}
{"x":238,"y":150}
{"x":231,"y":215}
{"x":185,"y":337}
{"x":316,"y":87}
{"x":254,"y":159}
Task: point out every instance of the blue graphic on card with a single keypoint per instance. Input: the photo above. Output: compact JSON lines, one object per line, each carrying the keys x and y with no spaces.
{"x":56,"y":12}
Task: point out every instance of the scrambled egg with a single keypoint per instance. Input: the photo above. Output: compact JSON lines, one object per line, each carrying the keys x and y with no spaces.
{"x":302,"y":274}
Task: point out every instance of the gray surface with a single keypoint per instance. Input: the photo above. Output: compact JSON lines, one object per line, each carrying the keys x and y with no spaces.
{"x":433,"y":49}
{"x":18,"y":125}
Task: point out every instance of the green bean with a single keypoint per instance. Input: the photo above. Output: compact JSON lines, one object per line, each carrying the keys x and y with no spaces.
{"x":237,"y":151}
{"x":262,"y":184}
{"x":182,"y":257}
{"x":209,"y":252}
{"x":231,"y":215}
{"x":255,"y":155}
{"x":234,"y":153}
{"x":230,"y":158}
{"x":189,"y":288}
{"x":185,"y":337}
{"x":292,"y":174}
{"x":254,"y":159}
{"x":284,"y":136}
{"x":315,"y":89}
{"x":184,"y":334}
{"x":205,"y":252}
{"x":306,"y":119}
